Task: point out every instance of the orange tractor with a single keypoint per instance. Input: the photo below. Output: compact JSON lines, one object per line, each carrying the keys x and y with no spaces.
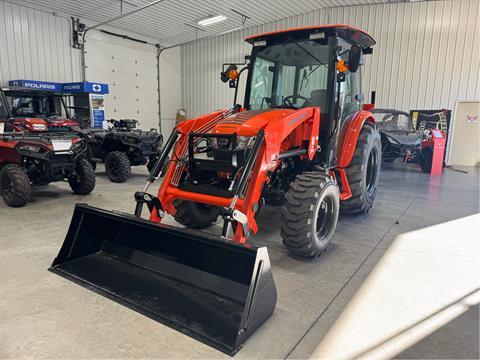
{"x":301,"y":140}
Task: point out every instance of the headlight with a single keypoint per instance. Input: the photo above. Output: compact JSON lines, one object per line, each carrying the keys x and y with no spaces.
{"x":30,"y":148}
{"x":393,"y":140}
{"x":244,"y":142}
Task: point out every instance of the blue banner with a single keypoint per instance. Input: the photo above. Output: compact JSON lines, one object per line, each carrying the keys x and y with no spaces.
{"x":36,"y":85}
{"x":85,"y":87}
{"x":98,"y":118}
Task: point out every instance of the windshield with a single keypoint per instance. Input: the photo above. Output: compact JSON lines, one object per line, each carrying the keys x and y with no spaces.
{"x":393,"y":122}
{"x":292,"y":75}
{"x":34,"y":106}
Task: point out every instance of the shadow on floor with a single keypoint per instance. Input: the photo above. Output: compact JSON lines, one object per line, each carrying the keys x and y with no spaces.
{"x":457,"y":339}
{"x":462,"y":330}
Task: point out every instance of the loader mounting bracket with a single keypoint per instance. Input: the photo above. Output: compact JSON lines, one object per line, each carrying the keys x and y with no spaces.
{"x":152,"y":202}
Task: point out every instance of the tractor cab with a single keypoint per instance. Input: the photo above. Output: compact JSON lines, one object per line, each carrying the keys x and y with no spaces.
{"x":307,"y":67}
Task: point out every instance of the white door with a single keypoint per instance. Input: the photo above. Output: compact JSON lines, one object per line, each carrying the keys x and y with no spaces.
{"x":465,"y":143}
{"x":130,"y":70}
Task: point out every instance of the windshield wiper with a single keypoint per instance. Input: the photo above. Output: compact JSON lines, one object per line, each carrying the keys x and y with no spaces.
{"x":312,"y":56}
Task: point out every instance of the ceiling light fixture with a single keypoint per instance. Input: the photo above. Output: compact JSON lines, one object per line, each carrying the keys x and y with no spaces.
{"x":211,"y":20}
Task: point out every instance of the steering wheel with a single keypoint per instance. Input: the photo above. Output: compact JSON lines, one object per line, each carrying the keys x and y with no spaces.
{"x":288,"y":101}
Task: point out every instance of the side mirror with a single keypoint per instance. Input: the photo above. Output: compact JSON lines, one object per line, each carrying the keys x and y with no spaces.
{"x":354,"y":57}
{"x":231,"y":73}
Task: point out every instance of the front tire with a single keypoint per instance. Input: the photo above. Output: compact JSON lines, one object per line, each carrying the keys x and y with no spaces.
{"x":310,"y":214}
{"x":117,"y":166}
{"x":15,"y":186}
{"x":363,"y":172}
{"x":83,"y":182}
{"x":195,"y":215}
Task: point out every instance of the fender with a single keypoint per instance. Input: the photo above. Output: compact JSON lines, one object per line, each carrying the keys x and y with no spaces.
{"x":349,"y":136}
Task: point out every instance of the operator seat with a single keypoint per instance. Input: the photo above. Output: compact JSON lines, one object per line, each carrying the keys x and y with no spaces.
{"x":319,"y":98}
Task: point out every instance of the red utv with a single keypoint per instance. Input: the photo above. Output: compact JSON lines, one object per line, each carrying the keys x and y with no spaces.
{"x":38,"y":157}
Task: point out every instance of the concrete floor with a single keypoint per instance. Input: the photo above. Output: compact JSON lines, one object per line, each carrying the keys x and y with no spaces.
{"x":378,"y":292}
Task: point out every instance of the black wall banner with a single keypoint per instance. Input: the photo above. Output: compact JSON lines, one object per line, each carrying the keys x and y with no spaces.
{"x":431,"y":119}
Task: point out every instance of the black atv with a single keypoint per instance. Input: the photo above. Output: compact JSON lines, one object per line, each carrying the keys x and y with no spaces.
{"x":121,"y":147}
{"x":401,"y":140}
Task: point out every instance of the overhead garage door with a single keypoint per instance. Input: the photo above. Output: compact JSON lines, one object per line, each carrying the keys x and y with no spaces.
{"x":130,"y":69}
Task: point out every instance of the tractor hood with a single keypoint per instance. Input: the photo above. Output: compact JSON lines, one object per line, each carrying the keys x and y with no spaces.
{"x":248,"y":123}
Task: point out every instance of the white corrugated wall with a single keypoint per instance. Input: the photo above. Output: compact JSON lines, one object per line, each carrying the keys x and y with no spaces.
{"x":427,"y":54}
{"x":35,"y":45}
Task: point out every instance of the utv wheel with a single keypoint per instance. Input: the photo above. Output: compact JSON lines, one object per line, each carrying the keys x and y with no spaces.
{"x":195,"y":215}
{"x":426,"y":159}
{"x":15,"y":185}
{"x":364,"y":171}
{"x":310,"y":214}
{"x":83,"y":182}
{"x":117,"y":166}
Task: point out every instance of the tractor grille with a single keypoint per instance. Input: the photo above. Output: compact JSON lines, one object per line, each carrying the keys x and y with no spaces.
{"x":241,"y":117}
{"x":184,"y":145}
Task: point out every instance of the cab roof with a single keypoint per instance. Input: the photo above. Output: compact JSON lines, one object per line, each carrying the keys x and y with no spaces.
{"x":349,"y":33}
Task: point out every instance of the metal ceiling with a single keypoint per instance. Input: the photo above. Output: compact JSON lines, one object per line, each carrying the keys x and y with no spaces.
{"x":173,"y":22}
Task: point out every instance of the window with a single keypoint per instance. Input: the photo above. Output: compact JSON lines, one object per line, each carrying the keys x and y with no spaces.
{"x":393,"y":121}
{"x":261,"y":84}
{"x":289,"y":75}
{"x":34,"y":105}
{"x":349,"y":89}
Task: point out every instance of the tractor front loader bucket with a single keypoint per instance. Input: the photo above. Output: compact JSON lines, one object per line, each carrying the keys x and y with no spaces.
{"x":210,"y":289}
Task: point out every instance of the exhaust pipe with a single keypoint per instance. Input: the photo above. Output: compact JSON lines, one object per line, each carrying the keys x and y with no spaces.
{"x":215,"y":291}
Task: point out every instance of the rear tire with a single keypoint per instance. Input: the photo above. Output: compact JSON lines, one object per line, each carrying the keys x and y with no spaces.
{"x":83,"y":182}
{"x":310,"y":214}
{"x":195,"y":215}
{"x":117,"y":166}
{"x":426,"y":159}
{"x":363,"y":172}
{"x":15,"y":185}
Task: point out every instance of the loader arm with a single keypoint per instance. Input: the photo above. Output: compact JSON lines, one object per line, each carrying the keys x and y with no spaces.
{"x":303,"y":125}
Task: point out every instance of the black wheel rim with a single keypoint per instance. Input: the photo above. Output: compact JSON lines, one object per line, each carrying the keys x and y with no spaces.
{"x":114,"y":168}
{"x":325,"y":217}
{"x":372,"y":170}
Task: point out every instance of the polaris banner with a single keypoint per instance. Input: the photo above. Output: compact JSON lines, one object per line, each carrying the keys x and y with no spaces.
{"x":85,"y":87}
{"x":37,"y":85}
{"x":97,"y":106}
